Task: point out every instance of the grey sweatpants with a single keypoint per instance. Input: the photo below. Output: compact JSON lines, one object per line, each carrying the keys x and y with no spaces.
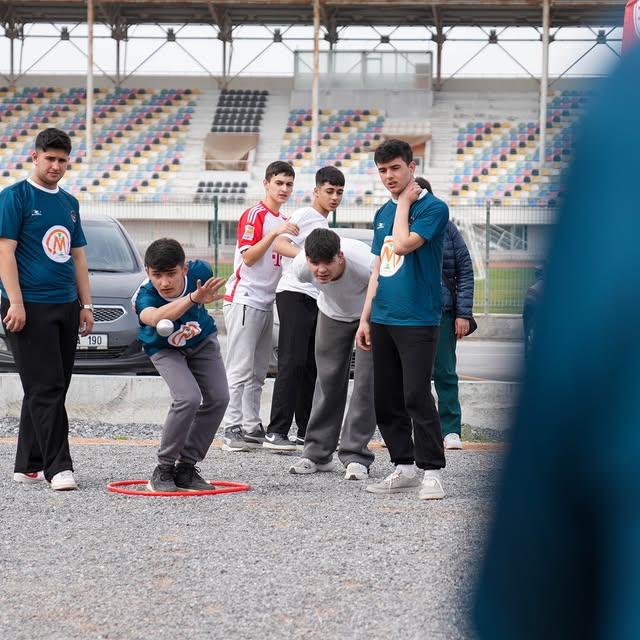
{"x":198,"y":386}
{"x":249,"y":345}
{"x":334,"y":345}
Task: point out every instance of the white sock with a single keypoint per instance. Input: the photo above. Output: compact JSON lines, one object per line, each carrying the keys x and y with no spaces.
{"x":407,"y":469}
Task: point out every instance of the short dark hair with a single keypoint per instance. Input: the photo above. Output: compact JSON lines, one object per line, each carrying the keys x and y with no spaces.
{"x":424,"y":183}
{"x":332,"y":175}
{"x":322,"y":245}
{"x":52,"y":138}
{"x":392,"y":149}
{"x":164,"y":254}
{"x":279,"y":166}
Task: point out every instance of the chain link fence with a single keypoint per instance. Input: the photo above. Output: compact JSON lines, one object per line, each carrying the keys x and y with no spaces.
{"x":507,"y":244}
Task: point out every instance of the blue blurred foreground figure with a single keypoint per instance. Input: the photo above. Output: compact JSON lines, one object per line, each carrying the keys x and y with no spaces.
{"x":563,"y":559}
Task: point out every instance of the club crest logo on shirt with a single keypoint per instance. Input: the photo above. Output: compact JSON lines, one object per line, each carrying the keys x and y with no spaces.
{"x":74,"y":216}
{"x":36,"y":212}
{"x":249,"y":232}
{"x":56,"y":243}
{"x":380,"y":225}
{"x":390,"y":262}
{"x":185,"y":332}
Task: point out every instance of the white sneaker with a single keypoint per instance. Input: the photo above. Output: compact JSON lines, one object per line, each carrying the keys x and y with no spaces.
{"x":452,"y":441}
{"x":29,"y":478}
{"x":64,"y":481}
{"x":305,"y":466}
{"x":431,"y":486}
{"x":396,"y":482}
{"x":356,"y":471}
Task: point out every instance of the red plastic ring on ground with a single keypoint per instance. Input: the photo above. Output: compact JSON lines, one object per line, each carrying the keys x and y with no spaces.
{"x":226,"y":487}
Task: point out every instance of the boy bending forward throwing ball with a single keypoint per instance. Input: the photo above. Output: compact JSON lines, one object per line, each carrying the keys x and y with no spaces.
{"x":188,"y":359}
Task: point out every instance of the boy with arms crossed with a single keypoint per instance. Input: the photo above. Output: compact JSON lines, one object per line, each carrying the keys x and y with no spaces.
{"x":341,"y":269}
{"x":248,"y":308}
{"x":188,"y":359}
{"x":400,"y":322}
{"x":298,"y":311}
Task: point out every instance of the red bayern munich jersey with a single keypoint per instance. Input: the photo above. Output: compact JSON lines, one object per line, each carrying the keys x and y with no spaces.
{"x":255,"y":286}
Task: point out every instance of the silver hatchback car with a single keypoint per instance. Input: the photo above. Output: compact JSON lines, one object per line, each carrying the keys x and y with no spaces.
{"x":116,"y":271}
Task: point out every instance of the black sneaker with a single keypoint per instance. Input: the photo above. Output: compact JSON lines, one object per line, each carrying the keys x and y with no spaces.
{"x":255,"y":437}
{"x":187,"y":478}
{"x":162,"y":479}
{"x":278,"y":442}
{"x":300,"y":442}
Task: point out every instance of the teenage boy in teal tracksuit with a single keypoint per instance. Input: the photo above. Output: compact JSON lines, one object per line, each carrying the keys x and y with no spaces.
{"x":188,"y":359}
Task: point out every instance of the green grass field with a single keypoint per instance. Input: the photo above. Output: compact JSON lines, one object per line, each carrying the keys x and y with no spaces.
{"x":507,"y":288}
{"x":224,"y":269}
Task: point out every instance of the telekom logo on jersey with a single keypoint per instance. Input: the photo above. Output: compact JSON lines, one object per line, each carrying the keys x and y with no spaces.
{"x":56,"y":243}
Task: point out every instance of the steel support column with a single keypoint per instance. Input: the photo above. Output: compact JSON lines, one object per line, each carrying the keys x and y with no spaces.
{"x":544,"y":83}
{"x":11,"y":68}
{"x":89,"y":102}
{"x":439,"y":39}
{"x":315,"y":80}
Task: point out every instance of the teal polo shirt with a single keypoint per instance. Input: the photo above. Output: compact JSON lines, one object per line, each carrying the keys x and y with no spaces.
{"x":46,"y":225}
{"x":409,"y":287}
{"x":189,"y":329}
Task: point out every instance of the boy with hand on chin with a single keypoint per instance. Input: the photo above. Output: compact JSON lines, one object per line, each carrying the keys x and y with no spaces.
{"x":400,"y":323}
{"x":188,"y":359}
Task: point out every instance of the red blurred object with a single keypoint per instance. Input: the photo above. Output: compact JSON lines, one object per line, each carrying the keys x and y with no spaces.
{"x":631,"y":32}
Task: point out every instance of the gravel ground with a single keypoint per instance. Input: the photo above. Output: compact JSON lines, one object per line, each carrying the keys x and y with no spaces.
{"x":296,"y":557}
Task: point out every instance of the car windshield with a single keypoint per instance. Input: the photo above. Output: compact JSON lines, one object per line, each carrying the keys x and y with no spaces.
{"x":107,"y":249}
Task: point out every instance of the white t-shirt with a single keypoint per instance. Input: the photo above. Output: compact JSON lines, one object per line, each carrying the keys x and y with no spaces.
{"x":307,"y":220}
{"x":341,"y":299}
{"x":255,"y":286}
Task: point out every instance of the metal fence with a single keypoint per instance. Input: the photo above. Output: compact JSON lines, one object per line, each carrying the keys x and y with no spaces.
{"x":506,"y":244}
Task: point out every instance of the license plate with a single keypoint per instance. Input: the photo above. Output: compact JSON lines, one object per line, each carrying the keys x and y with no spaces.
{"x":93,"y":341}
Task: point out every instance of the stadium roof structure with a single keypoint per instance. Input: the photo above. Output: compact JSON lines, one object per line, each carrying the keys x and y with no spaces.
{"x":334,"y":13}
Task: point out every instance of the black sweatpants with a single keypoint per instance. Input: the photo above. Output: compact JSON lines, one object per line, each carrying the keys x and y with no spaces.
{"x":403,"y":360}
{"x":296,"y":379}
{"x":44,"y":352}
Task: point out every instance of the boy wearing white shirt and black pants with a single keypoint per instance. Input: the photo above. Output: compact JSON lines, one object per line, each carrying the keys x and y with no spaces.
{"x":341,"y":270}
{"x":297,"y":311}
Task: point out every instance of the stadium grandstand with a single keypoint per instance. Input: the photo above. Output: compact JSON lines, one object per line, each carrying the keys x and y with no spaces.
{"x":182,"y":155}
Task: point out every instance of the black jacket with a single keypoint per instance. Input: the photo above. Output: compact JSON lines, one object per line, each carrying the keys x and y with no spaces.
{"x":457,"y":266}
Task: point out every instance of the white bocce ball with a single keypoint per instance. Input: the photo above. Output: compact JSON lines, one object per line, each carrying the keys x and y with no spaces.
{"x":164,"y":327}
